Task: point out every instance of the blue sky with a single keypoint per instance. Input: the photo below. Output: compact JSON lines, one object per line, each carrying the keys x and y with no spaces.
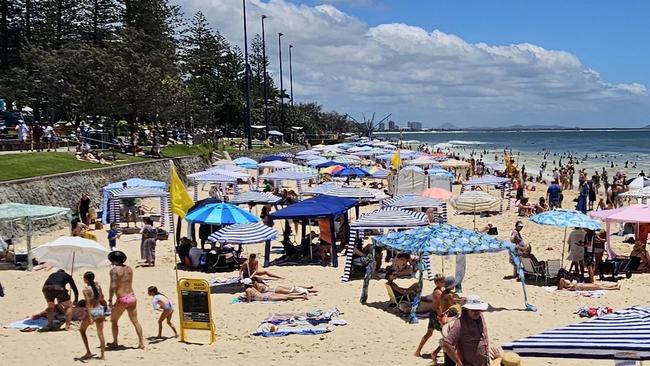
{"x":470,"y":63}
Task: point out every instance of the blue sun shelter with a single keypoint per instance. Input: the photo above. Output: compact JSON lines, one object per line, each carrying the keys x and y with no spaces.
{"x":320,"y":207}
{"x":439,"y":239}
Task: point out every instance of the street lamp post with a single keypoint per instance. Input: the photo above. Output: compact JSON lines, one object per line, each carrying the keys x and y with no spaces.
{"x":291,"y":75}
{"x":266,"y":91}
{"x":248,"y":81}
{"x":282,"y":117}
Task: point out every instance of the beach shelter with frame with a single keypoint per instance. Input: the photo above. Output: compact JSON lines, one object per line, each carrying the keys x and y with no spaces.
{"x":133,"y":182}
{"x":635,"y":214}
{"x":439,"y":239}
{"x":117,"y":195}
{"x":319,"y":207}
{"x":385,"y":219}
{"x":27,"y":215}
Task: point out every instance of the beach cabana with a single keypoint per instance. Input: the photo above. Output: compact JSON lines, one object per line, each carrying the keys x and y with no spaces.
{"x":621,"y":335}
{"x":133,"y":182}
{"x":212,"y":179}
{"x":117,"y":195}
{"x":385,"y":219}
{"x":439,"y":239}
{"x":320,"y":207}
{"x":276,"y":164}
{"x":27,"y":215}
{"x":255,"y":197}
{"x":635,"y":214}
{"x":245,"y":162}
{"x":503,"y":184}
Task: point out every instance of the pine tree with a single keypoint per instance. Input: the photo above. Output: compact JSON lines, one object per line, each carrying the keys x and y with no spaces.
{"x":99,"y":20}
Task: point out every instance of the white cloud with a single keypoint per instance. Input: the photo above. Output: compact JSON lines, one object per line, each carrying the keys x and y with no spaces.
{"x":431,"y":76}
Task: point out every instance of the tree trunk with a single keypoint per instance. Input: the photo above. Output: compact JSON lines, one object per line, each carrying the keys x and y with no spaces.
{"x":4,"y":34}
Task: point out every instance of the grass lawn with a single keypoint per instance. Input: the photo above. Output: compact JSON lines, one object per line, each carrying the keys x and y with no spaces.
{"x":173,"y":151}
{"x":26,"y":165}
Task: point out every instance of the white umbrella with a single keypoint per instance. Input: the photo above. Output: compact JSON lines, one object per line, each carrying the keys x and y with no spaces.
{"x":276,"y":164}
{"x":475,"y":202}
{"x":70,"y":252}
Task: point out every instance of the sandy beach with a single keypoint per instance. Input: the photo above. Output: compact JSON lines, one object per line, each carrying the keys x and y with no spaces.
{"x":374,"y":334}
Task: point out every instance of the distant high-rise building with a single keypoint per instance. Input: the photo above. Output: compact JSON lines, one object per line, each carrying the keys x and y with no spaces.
{"x":381,"y":126}
{"x":415,"y":126}
{"x":392,"y":126}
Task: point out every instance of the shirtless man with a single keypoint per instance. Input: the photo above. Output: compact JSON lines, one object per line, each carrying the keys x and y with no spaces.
{"x":434,"y":323}
{"x":122,"y":288}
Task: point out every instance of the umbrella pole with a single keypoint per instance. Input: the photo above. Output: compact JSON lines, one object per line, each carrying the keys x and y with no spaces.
{"x":72,"y":269}
{"x":563,"y":244}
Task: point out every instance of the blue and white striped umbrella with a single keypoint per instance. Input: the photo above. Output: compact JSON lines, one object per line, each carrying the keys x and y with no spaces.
{"x":244,"y":234}
{"x":411,"y":201}
{"x":317,"y":161}
{"x":322,"y":188}
{"x":220,"y":214}
{"x":288,"y":175}
{"x":622,"y":335}
{"x":350,"y":192}
{"x":255,"y":197}
{"x":390,"y":217}
{"x":565,"y":218}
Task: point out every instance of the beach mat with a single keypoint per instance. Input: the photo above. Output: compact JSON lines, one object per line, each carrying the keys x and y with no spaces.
{"x":28,"y":324}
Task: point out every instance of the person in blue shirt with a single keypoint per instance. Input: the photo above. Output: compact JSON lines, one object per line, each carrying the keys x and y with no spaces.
{"x":113,"y":234}
{"x":554,"y":195}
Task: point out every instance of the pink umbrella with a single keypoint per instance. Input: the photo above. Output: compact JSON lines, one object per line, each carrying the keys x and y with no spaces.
{"x":437,"y":193}
{"x":633,"y":214}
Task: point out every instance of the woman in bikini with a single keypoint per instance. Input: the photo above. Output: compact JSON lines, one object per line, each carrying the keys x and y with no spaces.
{"x":303,"y":290}
{"x":249,"y":269}
{"x":252,"y":294}
{"x":96,"y":307}
{"x":565,"y":284}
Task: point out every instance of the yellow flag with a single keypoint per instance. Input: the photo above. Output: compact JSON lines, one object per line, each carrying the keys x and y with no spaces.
{"x":181,"y":200}
{"x":396,"y":160}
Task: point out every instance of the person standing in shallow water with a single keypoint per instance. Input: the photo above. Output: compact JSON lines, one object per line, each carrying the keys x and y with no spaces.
{"x":122,"y":288}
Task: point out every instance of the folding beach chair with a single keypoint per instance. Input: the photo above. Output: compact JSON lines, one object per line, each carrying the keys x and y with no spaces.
{"x":531,"y":269}
{"x":394,"y":300}
{"x":553,"y":266}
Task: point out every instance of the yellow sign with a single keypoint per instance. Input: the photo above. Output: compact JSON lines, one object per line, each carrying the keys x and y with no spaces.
{"x":195,"y":308}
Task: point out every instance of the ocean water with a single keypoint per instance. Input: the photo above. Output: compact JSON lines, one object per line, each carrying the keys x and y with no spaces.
{"x":594,"y":148}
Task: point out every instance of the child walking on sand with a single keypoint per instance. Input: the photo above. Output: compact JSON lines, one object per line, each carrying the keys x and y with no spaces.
{"x":162,"y":303}
{"x":113,"y":234}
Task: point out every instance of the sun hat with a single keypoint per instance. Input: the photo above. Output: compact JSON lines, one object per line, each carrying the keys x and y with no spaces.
{"x":117,"y":257}
{"x":508,"y":359}
{"x":474,"y":302}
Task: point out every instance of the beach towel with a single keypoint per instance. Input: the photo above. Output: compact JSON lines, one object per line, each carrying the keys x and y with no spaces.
{"x":593,"y":294}
{"x":313,"y":317}
{"x":28,"y":324}
{"x":239,"y":300}
{"x":224,"y":281}
{"x":268,"y":330}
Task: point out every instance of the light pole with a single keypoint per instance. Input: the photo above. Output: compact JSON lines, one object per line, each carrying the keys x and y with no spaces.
{"x":248,"y":81}
{"x":266,"y":91}
{"x":291,"y":75}
{"x":281,"y":85}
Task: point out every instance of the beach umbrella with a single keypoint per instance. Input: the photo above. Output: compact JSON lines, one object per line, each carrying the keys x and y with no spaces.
{"x":621,"y":335}
{"x":245,"y":162}
{"x":412,"y":168}
{"x":565,"y":218}
{"x":308,"y":152}
{"x":288,"y":175}
{"x":309,"y":157}
{"x":439,"y":171}
{"x":255,"y":197}
{"x":220,"y":214}
{"x":475,"y":202}
{"x":347,"y":159}
{"x":276,"y":164}
{"x":272,"y":158}
{"x":350,"y":192}
{"x":320,"y":147}
{"x":249,"y":233}
{"x":329,"y":154}
{"x":322,"y":188}
{"x":642,"y":193}
{"x":412,"y":201}
{"x":390,"y":217}
{"x":422,"y":160}
{"x":439,"y":156}
{"x":301,"y":169}
{"x":452,"y":163}
{"x":332,"y":169}
{"x":327,"y":164}
{"x":437,"y":193}
{"x":378,"y":172}
{"x":317,"y":161}
{"x":70,"y":252}
{"x":351,"y":172}
{"x":215,"y":178}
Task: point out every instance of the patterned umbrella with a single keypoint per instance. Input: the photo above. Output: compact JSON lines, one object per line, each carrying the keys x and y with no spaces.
{"x":642,"y":193}
{"x":332,"y":169}
{"x":255,"y":197}
{"x":561,"y":217}
{"x":302,"y":169}
{"x":347,"y":160}
{"x":329,"y":154}
{"x":475,"y":202}
{"x":378,"y":172}
{"x":244,"y":234}
{"x":565,"y":218}
{"x":245,"y":162}
{"x":220,"y":214}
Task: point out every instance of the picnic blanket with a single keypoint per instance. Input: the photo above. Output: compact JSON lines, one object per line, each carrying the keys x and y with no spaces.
{"x":312,"y":322}
{"x":593,"y":294}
